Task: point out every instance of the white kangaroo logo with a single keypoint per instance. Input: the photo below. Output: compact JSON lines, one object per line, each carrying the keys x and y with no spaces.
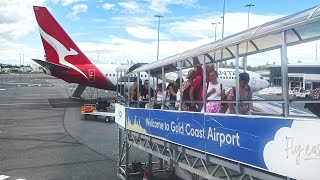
{"x":61,"y":50}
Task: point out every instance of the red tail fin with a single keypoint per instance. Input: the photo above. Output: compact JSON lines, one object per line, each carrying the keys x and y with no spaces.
{"x":58,"y":46}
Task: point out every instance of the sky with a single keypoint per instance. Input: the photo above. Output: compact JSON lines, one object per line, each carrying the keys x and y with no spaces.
{"x":111,"y":31}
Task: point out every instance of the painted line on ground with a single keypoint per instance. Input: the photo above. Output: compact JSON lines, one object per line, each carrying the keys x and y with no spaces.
{"x":2,"y":177}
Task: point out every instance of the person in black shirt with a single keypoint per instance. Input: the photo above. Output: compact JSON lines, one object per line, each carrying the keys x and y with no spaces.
{"x":144,"y":94}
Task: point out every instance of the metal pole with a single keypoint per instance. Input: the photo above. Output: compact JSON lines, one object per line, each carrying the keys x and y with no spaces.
{"x":149,"y":89}
{"x":204,"y":83}
{"x":237,"y":79}
{"x":215,"y":29}
{"x":127,"y":154}
{"x":215,"y":39}
{"x":163,"y":87}
{"x":20,"y":59}
{"x":215,"y":33}
{"x":249,"y":7}
{"x":119,"y":149}
{"x":158,"y":16}
{"x":138,"y":89}
{"x":245,"y":58}
{"x":316,"y":51}
{"x":180,"y":75}
{"x":128,"y":92}
{"x":117,"y":87}
{"x":284,"y":75}
{"x":121,"y":83}
{"x":223,"y":12}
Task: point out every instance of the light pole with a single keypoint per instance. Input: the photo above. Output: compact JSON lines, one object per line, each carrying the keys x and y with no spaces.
{"x":223,"y":12}
{"x":215,"y":29}
{"x":20,"y":59}
{"x":244,"y":63}
{"x":215,"y":39}
{"x":249,"y":7}
{"x":159,"y":17}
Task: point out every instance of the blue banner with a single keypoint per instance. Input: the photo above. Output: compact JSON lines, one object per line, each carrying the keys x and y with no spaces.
{"x":280,"y":145}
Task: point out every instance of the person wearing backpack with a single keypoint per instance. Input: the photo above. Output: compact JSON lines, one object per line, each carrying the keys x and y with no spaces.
{"x":245,"y":95}
{"x":214,"y":92}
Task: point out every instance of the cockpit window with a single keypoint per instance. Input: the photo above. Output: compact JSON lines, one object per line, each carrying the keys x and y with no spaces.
{"x":260,"y":77}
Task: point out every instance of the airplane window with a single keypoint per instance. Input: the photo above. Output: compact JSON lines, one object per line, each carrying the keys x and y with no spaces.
{"x":145,"y":75}
{"x":106,"y":74}
{"x":141,"y":75}
{"x":114,"y":75}
{"x":110,"y":74}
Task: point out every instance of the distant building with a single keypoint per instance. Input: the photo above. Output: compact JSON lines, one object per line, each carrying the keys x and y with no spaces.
{"x":299,"y":75}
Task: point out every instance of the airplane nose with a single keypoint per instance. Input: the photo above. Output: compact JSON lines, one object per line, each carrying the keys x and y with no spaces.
{"x":265,"y":84}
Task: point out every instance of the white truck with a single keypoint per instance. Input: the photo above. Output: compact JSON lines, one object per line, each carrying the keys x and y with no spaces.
{"x":300,"y":92}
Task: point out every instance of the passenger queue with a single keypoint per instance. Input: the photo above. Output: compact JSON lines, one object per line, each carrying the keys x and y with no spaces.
{"x":191,"y":93}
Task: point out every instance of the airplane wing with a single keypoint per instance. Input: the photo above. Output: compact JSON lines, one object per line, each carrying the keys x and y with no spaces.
{"x":50,"y":65}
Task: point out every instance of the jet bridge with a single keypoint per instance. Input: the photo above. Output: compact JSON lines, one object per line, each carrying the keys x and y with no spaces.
{"x":224,"y":146}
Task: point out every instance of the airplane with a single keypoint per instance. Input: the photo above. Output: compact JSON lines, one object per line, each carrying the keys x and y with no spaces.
{"x":227,"y":77}
{"x":66,"y":61}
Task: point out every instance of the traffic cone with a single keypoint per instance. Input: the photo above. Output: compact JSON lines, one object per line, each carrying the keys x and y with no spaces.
{"x":145,"y":174}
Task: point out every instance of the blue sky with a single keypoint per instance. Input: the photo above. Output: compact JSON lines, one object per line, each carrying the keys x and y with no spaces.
{"x":114,"y":31}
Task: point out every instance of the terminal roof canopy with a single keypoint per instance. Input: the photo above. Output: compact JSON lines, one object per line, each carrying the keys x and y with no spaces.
{"x":127,"y":68}
{"x":299,"y":27}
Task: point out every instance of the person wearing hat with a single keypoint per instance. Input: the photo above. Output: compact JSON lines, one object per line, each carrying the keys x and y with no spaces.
{"x":245,"y":95}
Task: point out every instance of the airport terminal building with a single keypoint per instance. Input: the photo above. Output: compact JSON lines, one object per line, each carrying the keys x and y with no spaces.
{"x":299,"y":75}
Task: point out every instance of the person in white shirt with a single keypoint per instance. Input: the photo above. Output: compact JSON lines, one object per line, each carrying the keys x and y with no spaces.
{"x":160,"y":96}
{"x":214,"y":92}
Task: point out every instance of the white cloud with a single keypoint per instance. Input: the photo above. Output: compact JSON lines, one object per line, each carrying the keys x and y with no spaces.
{"x":17,"y":18}
{"x":162,"y":5}
{"x":119,"y":50}
{"x":70,"y":2}
{"x":107,"y":6}
{"x":294,"y":152}
{"x":134,"y":20}
{"x":10,"y":52}
{"x":16,"y":22}
{"x":131,"y":7}
{"x":143,"y":32}
{"x":201,"y":27}
{"x":77,"y":9}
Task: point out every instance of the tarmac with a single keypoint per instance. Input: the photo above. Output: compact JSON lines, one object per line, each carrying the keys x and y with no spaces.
{"x":44,"y":136}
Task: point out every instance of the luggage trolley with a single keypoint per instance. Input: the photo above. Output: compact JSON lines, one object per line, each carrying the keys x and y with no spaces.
{"x":100,"y":109}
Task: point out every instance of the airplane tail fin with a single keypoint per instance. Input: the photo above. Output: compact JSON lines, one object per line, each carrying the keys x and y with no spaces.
{"x":59,"y":47}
